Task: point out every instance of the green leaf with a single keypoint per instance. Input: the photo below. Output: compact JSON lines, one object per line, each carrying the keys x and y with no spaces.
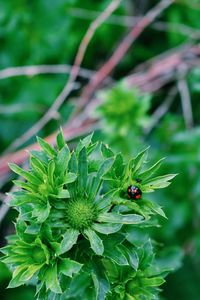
{"x":146,"y":255}
{"x":37,"y":165}
{"x":69,"y":239}
{"x":149,"y":172}
{"x":62,"y":160}
{"x":95,"y":241}
{"x":51,"y":169}
{"x":133,"y":206}
{"x":21,"y":197}
{"x":82,"y":170}
{"x":98,"y":178}
{"x":154,"y":281}
{"x":28,"y":176}
{"x":60,"y":139}
{"x":106,"y":228}
{"x":106,"y":151}
{"x":118,"y":218}
{"x":112,"y":269}
{"x":101,"y":282}
{"x":131,"y":255}
{"x":84,"y":143}
{"x":154,"y":207}
{"x":69,"y":178}
{"x":16,"y":277}
{"x":79,"y":284}
{"x":48,"y":149}
{"x":116,"y":255}
{"x":24,"y":185}
{"x":69,"y":267}
{"x":41,"y":211}
{"x":139,"y":160}
{"x":62,"y":194}
{"x":33,"y":228}
{"x":50,"y":277}
{"x":158,"y":182}
{"x":129,"y":297}
{"x":116,"y":171}
{"x":31,"y":270}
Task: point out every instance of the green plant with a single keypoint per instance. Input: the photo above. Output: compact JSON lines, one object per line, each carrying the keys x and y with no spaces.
{"x":75,"y":231}
{"x":124,"y":116}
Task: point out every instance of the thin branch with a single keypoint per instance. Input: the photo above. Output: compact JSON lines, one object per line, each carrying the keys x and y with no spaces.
{"x":72,"y":76}
{"x":130,"y":21}
{"x":70,"y":133}
{"x":4,"y":208}
{"x":41,"y":69}
{"x":161,"y":110}
{"x":155,"y":73}
{"x":186,"y":103}
{"x":122,"y":49}
{"x":2,"y":196}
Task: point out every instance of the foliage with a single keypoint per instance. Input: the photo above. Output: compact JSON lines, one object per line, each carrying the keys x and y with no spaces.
{"x":73,"y":223}
{"x":49,"y":32}
{"x":124,"y":111}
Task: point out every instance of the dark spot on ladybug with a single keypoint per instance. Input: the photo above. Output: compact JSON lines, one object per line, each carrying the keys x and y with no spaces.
{"x":134,"y":192}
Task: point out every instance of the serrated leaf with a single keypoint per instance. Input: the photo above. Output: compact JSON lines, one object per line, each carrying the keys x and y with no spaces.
{"x":62,"y":194}
{"x":95,"y":241}
{"x":62,"y":160}
{"x":37,"y":165}
{"x":119,"y":218}
{"x":69,"y":267}
{"x":69,"y":178}
{"x":33,"y":228}
{"x":16,"y":277}
{"x":146,"y":255}
{"x":139,"y":160}
{"x":154,"y":207}
{"x":154,"y":281}
{"x":41,"y":156}
{"x":60,"y":139}
{"x":41,"y":211}
{"x":101,"y":284}
{"x":116,"y":172}
{"x":106,"y":151}
{"x":51,"y":169}
{"x":105,"y":228}
{"x":31,"y":270}
{"x":79,"y":284}
{"x":69,"y":239}
{"x":24,"y":185}
{"x":131,"y":254}
{"x":149,"y":172}
{"x":82,"y":170}
{"x":50,"y":277}
{"x":96,"y":181}
{"x":28,"y":176}
{"x":158,"y":182}
{"x":48,"y":149}
{"x":84,"y":143}
{"x":116,"y":255}
{"x":19,"y":198}
{"x":73,"y":166}
{"x":135,"y":207}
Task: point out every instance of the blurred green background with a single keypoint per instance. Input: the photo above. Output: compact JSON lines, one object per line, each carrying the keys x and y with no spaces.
{"x":49,"y":32}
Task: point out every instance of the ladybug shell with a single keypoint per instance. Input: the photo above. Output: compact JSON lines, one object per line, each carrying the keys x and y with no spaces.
{"x":134,"y":192}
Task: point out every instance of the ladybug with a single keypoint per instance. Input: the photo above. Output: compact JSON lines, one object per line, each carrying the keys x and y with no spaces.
{"x":134,"y":192}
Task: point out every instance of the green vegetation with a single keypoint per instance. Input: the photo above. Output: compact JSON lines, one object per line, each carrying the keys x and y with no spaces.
{"x":71,"y":223}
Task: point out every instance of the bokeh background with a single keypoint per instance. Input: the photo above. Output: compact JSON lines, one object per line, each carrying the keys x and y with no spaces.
{"x":150,"y":97}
